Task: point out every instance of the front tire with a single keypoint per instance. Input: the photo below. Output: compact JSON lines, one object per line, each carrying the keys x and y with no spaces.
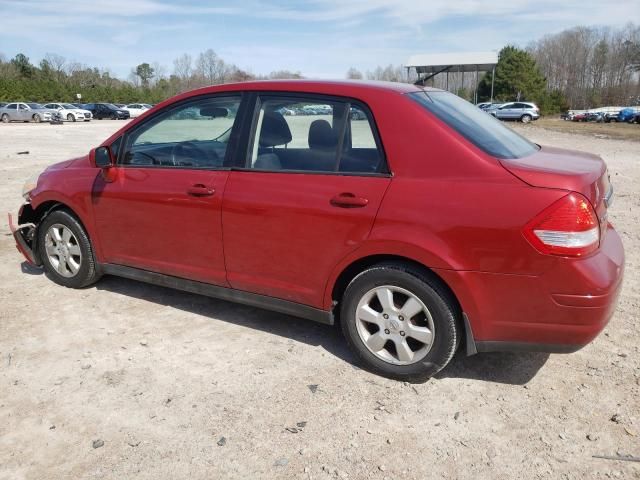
{"x":66,"y":252}
{"x":525,"y":118}
{"x":36,"y":118}
{"x":400,"y":322}
{"x":71,"y":118}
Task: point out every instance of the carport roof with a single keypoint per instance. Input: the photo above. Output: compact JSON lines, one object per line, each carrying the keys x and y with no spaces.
{"x":458,"y":62}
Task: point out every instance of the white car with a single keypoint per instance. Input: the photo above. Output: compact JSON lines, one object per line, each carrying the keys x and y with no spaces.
{"x":136,"y":109}
{"x":70,"y":112}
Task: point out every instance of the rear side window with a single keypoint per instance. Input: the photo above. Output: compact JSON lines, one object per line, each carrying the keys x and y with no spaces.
{"x":313,"y":134}
{"x":477,"y":126}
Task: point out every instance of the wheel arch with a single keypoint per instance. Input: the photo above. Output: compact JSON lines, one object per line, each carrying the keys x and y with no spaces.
{"x":357,"y":266}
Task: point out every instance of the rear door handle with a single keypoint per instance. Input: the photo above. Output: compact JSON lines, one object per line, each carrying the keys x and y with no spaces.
{"x":200,"y":190}
{"x":349,"y":200}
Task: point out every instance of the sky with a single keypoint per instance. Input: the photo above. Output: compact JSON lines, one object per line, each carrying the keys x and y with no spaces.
{"x":319,"y":38}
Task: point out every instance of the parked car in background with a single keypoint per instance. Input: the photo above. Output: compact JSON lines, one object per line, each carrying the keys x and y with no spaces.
{"x":136,"y":109}
{"x":567,"y":116}
{"x":2,"y":104}
{"x":70,"y":112}
{"x":487,"y":105}
{"x":27,"y":112}
{"x":611,"y":117}
{"x":523,"y":111}
{"x":629,"y":115}
{"x":426,"y":226}
{"x":100,"y":111}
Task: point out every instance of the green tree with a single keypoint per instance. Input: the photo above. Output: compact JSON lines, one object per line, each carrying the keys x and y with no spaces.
{"x":517,"y":77}
{"x":145,"y":72}
{"x":23,"y":65}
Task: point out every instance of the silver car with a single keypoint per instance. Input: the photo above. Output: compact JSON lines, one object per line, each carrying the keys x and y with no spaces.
{"x":70,"y":112}
{"x":523,"y":111}
{"x":26,"y":112}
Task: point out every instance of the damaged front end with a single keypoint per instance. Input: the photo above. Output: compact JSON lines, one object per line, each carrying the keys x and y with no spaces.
{"x":25,"y":234}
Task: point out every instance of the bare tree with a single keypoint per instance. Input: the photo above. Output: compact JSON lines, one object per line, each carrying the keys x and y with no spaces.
{"x":210,"y":68}
{"x":183,"y":70}
{"x":354,"y":74}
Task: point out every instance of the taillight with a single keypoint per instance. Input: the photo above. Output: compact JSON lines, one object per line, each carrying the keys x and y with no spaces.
{"x":569,"y":227}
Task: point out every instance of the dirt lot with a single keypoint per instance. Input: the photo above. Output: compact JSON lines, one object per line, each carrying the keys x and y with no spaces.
{"x":169,"y":385}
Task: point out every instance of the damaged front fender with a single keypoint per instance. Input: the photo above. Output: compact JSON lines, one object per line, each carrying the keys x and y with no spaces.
{"x":25,"y":234}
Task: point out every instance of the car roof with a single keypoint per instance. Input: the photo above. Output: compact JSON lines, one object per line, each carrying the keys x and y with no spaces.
{"x":314,"y":86}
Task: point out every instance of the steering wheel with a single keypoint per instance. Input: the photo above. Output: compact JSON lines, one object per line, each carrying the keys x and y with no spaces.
{"x":188,"y":151}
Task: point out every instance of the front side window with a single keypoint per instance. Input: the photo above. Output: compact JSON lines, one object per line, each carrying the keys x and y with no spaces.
{"x":192,"y":135}
{"x":312,"y":134}
{"x":484,"y":131}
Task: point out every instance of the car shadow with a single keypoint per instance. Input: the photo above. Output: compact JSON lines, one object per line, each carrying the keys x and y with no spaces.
{"x":300,"y":330}
{"x":498,"y":367}
{"x":508,"y":368}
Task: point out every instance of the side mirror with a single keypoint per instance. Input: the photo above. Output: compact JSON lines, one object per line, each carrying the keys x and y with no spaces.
{"x":102,"y":157}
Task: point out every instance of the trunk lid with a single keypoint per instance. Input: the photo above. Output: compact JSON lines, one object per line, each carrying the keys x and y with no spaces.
{"x":571,"y":170}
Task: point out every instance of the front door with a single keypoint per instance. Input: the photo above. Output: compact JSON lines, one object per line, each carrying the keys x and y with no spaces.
{"x":160,"y":208}
{"x":306,"y":196}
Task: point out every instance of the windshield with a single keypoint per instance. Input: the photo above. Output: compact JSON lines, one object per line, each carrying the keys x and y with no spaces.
{"x":35,"y":106}
{"x":112,"y":106}
{"x":68,"y":106}
{"x":477,"y":126}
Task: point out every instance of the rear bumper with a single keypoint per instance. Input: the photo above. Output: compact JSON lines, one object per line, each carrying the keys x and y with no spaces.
{"x":559,"y":311}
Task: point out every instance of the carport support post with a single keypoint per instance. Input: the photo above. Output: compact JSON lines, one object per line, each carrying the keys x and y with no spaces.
{"x":447,"y":88}
{"x":493,"y":77}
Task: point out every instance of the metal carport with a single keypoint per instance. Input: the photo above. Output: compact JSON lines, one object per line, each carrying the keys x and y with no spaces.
{"x":428,"y":66}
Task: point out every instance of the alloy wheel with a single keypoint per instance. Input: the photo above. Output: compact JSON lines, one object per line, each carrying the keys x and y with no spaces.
{"x":63,"y":250}
{"x":395,"y":325}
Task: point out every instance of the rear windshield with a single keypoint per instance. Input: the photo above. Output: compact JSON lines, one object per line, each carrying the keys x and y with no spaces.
{"x":477,"y":126}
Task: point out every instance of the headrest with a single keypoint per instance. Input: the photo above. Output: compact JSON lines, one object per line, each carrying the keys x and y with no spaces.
{"x":275,"y":130}
{"x":321,"y":135}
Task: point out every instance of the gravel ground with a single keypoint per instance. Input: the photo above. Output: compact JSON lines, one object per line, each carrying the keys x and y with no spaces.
{"x":126,"y":380}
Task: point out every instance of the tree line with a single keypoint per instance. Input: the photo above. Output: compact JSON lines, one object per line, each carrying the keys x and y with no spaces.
{"x":583,"y":67}
{"x":55,"y":78}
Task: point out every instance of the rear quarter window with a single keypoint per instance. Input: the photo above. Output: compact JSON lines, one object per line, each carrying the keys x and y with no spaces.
{"x":477,"y":126}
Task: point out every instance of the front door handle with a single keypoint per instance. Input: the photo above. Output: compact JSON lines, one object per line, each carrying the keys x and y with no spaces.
{"x":349,"y":200}
{"x":200,"y":190}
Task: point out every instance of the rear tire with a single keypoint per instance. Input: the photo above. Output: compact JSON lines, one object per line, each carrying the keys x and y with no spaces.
{"x":5,"y":118}
{"x":411,"y":338}
{"x":65,"y":250}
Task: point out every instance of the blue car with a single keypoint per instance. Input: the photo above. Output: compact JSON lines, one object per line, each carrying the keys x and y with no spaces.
{"x":629,"y":115}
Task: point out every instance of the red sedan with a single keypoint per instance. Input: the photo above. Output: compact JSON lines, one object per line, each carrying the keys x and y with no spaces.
{"x":405,"y":214}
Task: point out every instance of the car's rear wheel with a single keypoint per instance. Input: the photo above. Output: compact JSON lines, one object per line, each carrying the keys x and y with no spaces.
{"x":37,"y":118}
{"x":66,"y":251}
{"x":5,"y":118}
{"x":525,"y":118}
{"x":400,"y":322}
{"x":71,"y":118}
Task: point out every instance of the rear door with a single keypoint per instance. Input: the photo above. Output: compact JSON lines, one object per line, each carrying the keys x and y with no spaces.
{"x":305,"y":195}
{"x":160,"y":208}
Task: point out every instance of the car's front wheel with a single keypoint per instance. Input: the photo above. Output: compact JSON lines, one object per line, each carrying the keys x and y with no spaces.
{"x":71,"y":118}
{"x":400,"y":322}
{"x":66,"y":252}
{"x":525,"y":118}
{"x":37,"y":118}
